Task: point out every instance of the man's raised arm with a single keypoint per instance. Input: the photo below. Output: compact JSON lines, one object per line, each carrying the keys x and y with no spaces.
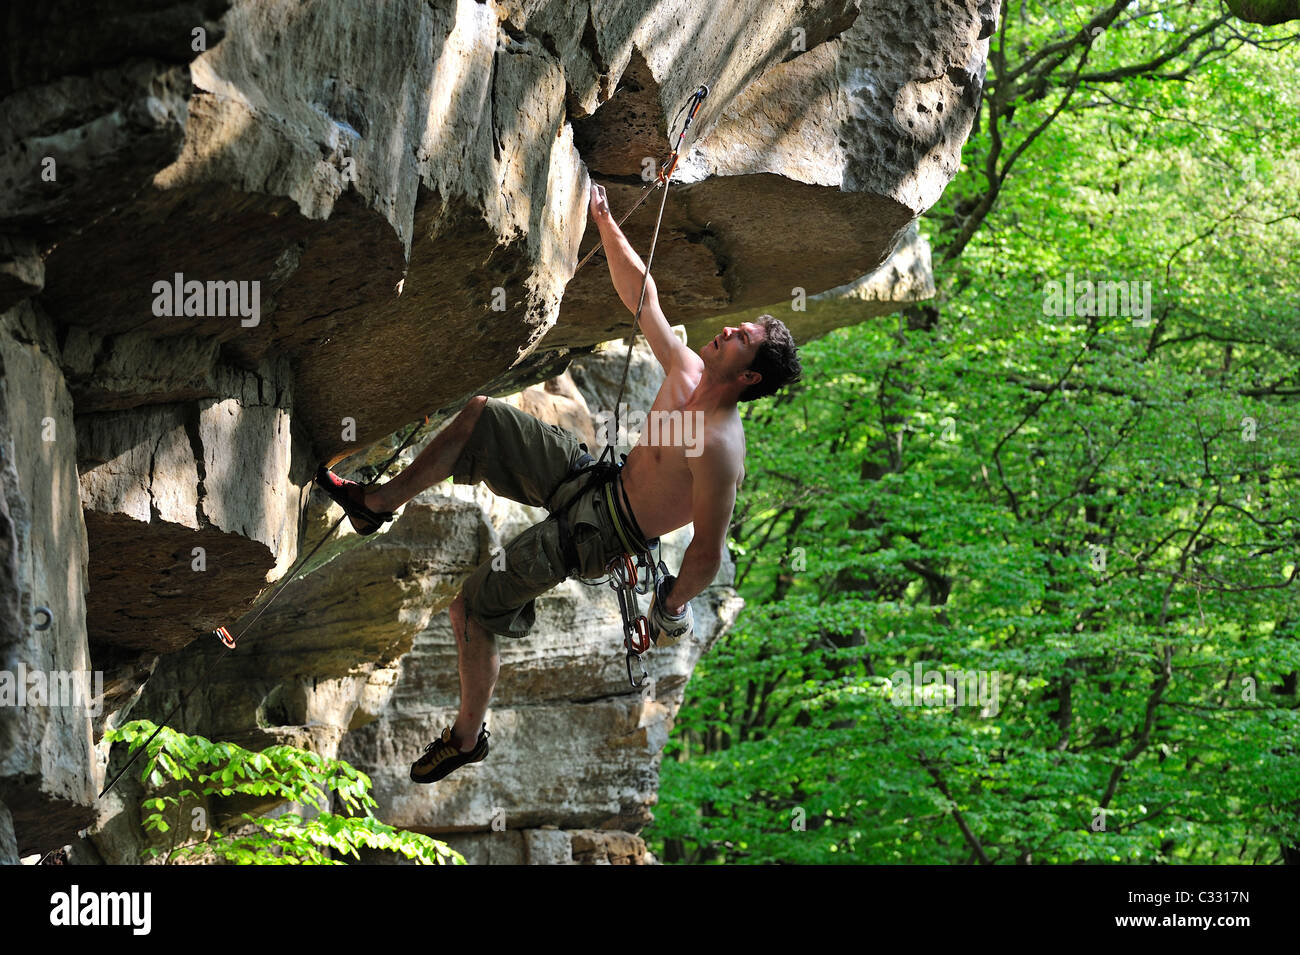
{"x":626,"y":269}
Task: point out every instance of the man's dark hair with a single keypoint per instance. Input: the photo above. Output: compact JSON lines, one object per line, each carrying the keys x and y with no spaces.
{"x":777,"y":360}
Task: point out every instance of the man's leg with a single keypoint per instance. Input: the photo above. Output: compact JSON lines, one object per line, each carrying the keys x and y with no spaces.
{"x":432,"y":465}
{"x":479,"y":664}
{"x":518,"y":457}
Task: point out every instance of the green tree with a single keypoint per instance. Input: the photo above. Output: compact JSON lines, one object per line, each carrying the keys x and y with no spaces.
{"x":278,"y":774}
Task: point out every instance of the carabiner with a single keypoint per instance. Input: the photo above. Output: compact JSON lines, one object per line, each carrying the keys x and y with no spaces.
{"x":645,"y":677}
{"x":639,"y":641}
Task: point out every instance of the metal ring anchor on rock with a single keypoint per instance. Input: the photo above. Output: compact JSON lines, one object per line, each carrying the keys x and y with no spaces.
{"x":49,"y":618}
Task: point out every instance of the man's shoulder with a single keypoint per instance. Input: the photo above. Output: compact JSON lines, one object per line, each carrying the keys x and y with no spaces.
{"x":722,"y":444}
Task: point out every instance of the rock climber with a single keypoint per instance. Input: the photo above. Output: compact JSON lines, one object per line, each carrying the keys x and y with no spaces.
{"x":662,"y":486}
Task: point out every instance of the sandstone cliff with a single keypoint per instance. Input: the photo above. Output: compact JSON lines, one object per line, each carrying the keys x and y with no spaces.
{"x":385,"y":203}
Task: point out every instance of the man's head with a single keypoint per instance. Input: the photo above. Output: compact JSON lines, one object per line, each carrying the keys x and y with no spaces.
{"x":760,"y":356}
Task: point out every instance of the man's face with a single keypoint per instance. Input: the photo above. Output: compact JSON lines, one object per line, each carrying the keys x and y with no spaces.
{"x":733,"y":349}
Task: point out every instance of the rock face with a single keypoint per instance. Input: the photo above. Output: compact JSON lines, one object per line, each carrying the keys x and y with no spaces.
{"x":904,"y":278}
{"x":203,"y":495}
{"x":238,"y":238}
{"x":48,"y":767}
{"x":806,"y":176}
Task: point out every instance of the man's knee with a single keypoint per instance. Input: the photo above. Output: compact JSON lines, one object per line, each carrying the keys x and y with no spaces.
{"x":465,"y":625}
{"x":467,"y":420}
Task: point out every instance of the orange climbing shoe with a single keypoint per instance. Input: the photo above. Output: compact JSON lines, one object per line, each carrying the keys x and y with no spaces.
{"x":351,"y":496}
{"x":441,"y":757}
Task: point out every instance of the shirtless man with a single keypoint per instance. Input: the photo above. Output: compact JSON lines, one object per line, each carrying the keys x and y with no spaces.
{"x":666,"y":486}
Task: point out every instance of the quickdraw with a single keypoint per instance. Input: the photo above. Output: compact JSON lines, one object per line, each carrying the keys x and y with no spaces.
{"x":627,"y":583}
{"x":662,"y":175}
{"x":693,"y":104}
{"x":627,"y":575}
{"x":665,"y":178}
{"x":636,"y":631}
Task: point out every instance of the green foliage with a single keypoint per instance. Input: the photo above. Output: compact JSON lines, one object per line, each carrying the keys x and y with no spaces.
{"x":1096,"y":513}
{"x":277,"y":774}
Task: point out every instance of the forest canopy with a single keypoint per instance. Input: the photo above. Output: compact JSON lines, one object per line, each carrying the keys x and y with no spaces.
{"x":1020,"y":563}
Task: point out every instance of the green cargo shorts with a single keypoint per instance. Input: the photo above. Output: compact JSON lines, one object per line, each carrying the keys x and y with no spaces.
{"x":531,"y":462}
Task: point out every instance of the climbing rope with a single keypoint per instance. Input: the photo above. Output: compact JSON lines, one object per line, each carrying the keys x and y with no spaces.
{"x":663,"y":178}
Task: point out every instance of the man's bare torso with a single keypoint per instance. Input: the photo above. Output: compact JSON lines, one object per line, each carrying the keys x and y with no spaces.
{"x":657,"y":475}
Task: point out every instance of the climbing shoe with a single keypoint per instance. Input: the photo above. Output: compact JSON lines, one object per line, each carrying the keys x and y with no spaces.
{"x":441,"y":757}
{"x":351,"y":496}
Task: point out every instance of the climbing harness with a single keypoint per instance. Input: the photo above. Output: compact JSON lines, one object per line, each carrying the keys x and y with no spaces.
{"x":630,"y":574}
{"x":635,"y":571}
